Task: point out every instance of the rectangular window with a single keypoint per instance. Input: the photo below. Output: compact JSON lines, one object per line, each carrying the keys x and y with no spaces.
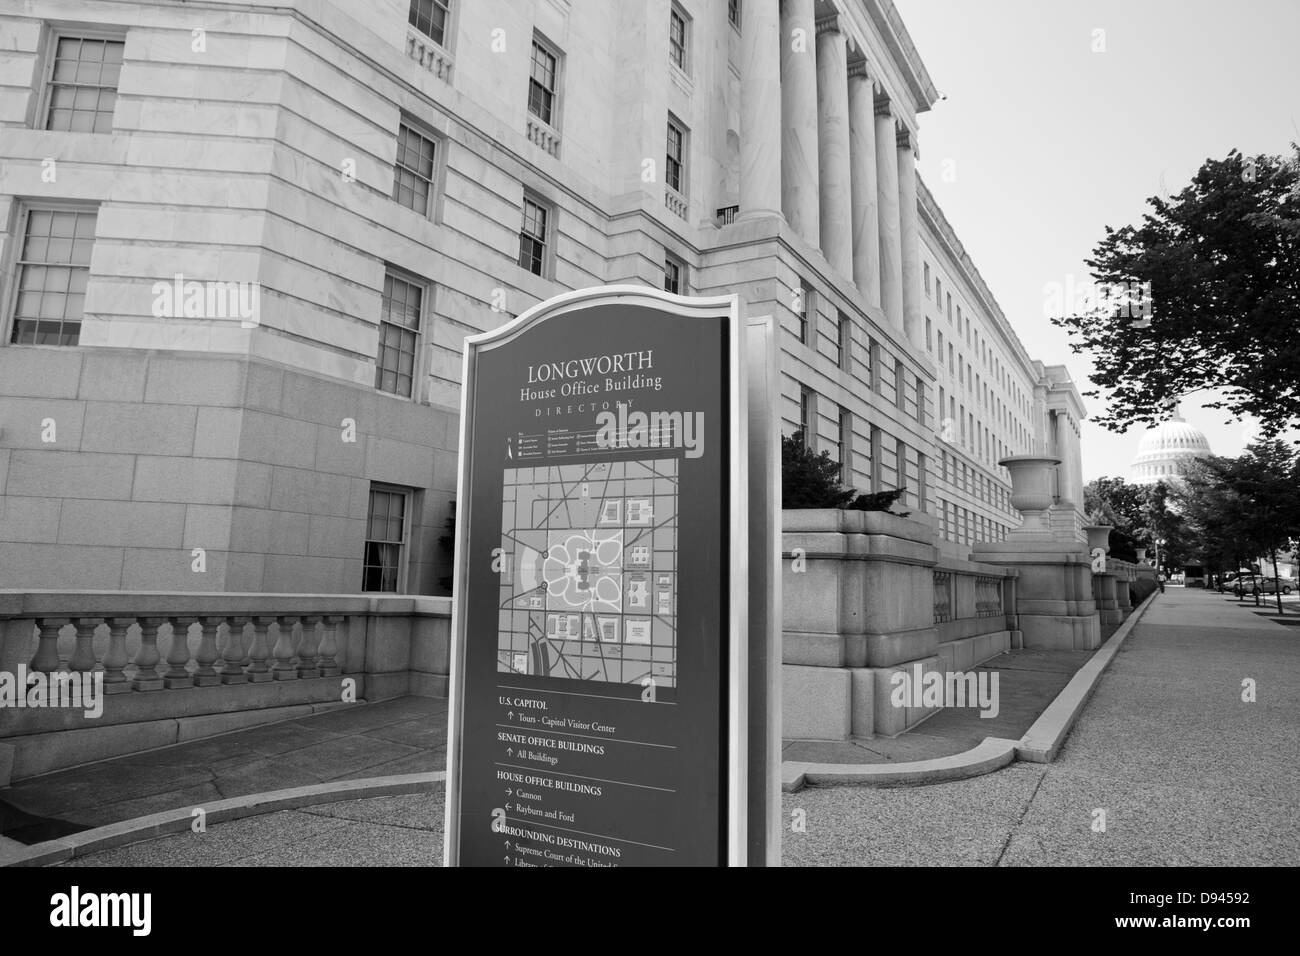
{"x":83,"y":84}
{"x":920,"y":402}
{"x":674,"y":169}
{"x":877,"y":465}
{"x":938,"y":292}
{"x":413,"y":174}
{"x":677,"y":37}
{"x":809,"y":312}
{"x":534,"y":234}
{"x":399,"y":331}
{"x":541,"y":83}
{"x":385,"y":540}
{"x":927,"y":280}
{"x":929,"y":336}
{"x":674,"y":275}
{"x":950,"y":365}
{"x":843,"y":340}
{"x":53,"y":266}
{"x":805,"y":416}
{"x":949,"y":306}
{"x":430,"y":18}
{"x":844,"y":444}
{"x":873,"y":364}
{"x":887,"y":377}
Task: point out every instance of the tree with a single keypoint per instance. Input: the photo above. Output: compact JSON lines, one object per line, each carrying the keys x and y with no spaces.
{"x":1265,"y":478}
{"x":1120,"y":502}
{"x":1221,"y":261}
{"x":1238,"y":508}
{"x":1140,"y":515}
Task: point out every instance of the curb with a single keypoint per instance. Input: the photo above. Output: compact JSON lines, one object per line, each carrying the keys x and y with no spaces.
{"x":993,"y":753}
{"x":219,"y":811}
{"x":1043,"y":740}
{"x":1040,"y":744}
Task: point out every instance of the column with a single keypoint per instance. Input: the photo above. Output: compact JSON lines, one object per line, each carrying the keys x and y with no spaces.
{"x":910,"y":241}
{"x":760,"y":122}
{"x":799,"y":197}
{"x":862,"y":163}
{"x":834,"y":208}
{"x":891,"y":261}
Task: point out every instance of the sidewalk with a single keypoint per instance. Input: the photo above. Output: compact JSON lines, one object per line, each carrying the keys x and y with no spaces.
{"x":1184,"y":770}
{"x":1028,"y":680}
{"x":402,"y":736}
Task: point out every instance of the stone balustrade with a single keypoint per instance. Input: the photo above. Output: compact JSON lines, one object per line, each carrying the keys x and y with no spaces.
{"x":428,"y":54}
{"x":544,"y":135}
{"x":191,"y":664}
{"x":942,"y":596}
{"x":675,"y":202}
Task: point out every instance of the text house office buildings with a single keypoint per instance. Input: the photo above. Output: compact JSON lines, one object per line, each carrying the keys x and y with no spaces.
{"x":241,"y":245}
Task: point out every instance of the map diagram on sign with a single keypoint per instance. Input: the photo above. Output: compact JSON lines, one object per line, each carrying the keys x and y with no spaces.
{"x":589,"y":572}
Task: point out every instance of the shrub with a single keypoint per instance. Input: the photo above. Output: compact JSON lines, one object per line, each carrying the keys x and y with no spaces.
{"x":810,"y":480}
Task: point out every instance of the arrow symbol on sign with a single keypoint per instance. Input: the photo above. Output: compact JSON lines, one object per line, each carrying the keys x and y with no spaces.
{"x":510,"y":714}
{"x":509,"y":792}
{"x":510,"y":752}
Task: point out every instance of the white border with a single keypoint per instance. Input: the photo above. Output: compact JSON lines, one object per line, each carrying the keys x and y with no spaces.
{"x":727,"y":307}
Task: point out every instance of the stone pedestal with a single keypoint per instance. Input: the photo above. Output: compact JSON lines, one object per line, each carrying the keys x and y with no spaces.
{"x":1055,"y":604}
{"x":1104,"y":591}
{"x":1124,"y":596}
{"x":858,"y":596}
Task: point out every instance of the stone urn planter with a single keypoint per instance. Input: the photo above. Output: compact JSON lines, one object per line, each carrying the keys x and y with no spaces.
{"x":1098,"y":536}
{"x":1032,"y":490}
{"x":1142,"y":555}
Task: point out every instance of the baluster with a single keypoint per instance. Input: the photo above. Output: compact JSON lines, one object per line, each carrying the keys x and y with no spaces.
{"x":283,"y":668}
{"x":232,"y":671}
{"x":83,"y":655}
{"x":205,"y":655}
{"x":257,"y":669}
{"x":178,"y":655}
{"x":46,"y":660}
{"x":307,"y":648}
{"x":329,"y":667}
{"x":147,"y":657}
{"x":115,"y":658}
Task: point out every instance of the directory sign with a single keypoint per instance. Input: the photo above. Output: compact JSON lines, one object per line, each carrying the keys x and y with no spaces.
{"x":598,"y":708}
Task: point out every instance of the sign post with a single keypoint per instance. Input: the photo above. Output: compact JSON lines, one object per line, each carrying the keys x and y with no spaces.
{"x":599,"y":674}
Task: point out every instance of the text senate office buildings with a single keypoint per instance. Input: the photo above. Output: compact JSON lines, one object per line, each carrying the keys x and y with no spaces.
{"x":241,"y":246}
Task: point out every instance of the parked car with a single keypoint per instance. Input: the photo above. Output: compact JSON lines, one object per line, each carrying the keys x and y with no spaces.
{"x":1258,"y":584}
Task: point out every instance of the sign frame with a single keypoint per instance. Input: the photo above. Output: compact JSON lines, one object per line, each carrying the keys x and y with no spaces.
{"x":726,"y":307}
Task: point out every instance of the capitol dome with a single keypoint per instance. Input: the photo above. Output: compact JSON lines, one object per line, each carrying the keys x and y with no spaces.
{"x":1166,"y":450}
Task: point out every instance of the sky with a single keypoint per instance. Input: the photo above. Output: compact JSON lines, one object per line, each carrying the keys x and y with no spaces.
{"x":1042,"y":142}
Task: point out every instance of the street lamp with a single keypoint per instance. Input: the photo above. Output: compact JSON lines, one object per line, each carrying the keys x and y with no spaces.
{"x":1160,"y":542}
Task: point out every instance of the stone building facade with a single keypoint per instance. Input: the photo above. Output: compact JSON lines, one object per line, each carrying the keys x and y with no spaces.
{"x":241,"y":245}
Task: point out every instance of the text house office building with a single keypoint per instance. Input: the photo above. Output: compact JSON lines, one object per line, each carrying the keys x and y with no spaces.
{"x":241,"y":246}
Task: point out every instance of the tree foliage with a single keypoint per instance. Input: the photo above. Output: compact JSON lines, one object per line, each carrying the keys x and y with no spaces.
{"x":810,"y":480}
{"x":1242,"y":508}
{"x":1222,"y":259}
{"x":1141,"y":515}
